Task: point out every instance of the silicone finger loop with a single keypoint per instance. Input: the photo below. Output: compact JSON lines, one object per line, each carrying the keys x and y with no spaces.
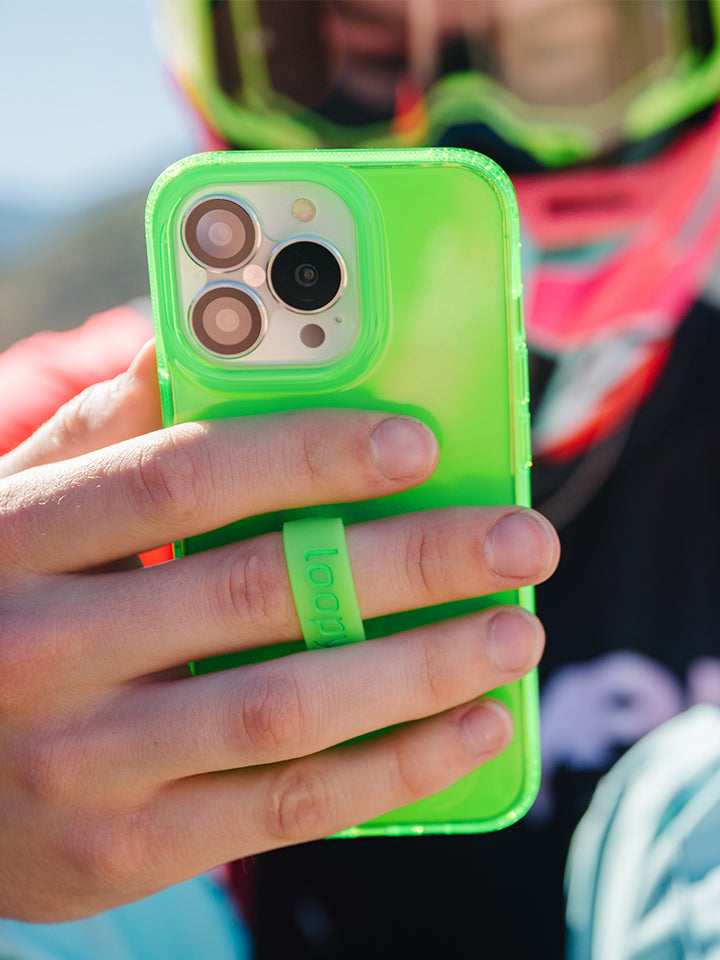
{"x":321,"y":581}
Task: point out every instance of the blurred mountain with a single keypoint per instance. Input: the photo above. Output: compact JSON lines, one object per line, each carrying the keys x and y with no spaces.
{"x":21,"y":230}
{"x":55,"y":272}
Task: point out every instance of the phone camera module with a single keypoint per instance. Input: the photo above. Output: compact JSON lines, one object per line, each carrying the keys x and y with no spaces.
{"x":229,"y":321}
{"x":220,"y":233}
{"x":306,"y":275}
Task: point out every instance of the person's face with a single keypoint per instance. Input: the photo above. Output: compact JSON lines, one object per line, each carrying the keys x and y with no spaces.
{"x":354,"y":70}
{"x":549,"y":55}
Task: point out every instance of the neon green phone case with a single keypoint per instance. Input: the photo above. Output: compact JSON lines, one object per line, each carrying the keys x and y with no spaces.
{"x":431,"y":320}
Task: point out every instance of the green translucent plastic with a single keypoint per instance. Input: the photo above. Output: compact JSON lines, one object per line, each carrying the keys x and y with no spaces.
{"x":322,"y":582}
{"x":441,"y":339}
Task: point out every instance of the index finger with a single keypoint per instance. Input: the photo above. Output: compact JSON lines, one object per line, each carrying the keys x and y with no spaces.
{"x":191,"y":478}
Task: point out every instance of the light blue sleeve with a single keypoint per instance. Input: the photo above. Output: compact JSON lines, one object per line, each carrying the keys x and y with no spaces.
{"x":195,"y":920}
{"x":643,"y":876}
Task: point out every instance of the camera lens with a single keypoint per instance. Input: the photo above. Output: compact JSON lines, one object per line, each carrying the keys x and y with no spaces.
{"x":227,"y":320}
{"x":306,"y":275}
{"x":220,"y":233}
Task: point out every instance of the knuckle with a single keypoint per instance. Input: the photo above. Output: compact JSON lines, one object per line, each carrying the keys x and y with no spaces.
{"x":248,"y":587}
{"x":111,"y":852}
{"x":70,"y":425}
{"x":436,"y":674}
{"x":311,"y":462}
{"x":25,"y":667}
{"x":301,"y":807}
{"x":50,"y":767}
{"x":414,"y":777}
{"x":174,"y":475}
{"x":424,"y":564}
{"x":272,"y":715}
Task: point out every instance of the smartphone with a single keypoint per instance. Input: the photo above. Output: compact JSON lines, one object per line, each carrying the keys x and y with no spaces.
{"x":376,"y":279}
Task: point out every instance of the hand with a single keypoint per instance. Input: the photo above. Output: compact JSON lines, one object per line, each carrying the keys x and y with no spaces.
{"x":120,"y":773}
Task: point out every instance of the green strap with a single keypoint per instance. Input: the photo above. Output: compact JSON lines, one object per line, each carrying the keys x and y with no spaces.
{"x":321,"y":581}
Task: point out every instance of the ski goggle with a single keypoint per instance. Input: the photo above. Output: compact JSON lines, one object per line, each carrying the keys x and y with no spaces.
{"x":561,"y":80}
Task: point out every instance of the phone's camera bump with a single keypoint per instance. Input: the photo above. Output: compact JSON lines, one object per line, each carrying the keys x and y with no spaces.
{"x":228,"y":320}
{"x":307,"y":275}
{"x":221,"y":233}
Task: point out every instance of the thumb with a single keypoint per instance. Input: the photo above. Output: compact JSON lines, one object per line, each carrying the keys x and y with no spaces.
{"x":103,"y":414}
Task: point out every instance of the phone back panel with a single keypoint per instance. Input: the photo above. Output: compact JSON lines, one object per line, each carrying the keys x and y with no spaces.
{"x":435,"y":260}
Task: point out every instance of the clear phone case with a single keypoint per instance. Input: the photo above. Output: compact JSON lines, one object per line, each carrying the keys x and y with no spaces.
{"x":427,"y":321}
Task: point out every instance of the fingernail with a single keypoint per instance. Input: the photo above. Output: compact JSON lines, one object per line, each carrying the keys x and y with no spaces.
{"x":513,"y":640}
{"x":486,"y":728}
{"x":402,"y":447}
{"x":517,"y":546}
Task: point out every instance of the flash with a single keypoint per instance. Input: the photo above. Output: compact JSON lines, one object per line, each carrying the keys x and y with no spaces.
{"x":253,"y":275}
{"x":303,"y":210}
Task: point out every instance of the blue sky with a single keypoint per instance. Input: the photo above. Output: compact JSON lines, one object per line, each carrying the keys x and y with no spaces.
{"x":87,"y":112}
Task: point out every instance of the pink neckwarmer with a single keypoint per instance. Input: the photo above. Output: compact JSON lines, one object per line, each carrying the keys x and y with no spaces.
{"x":614,"y":259}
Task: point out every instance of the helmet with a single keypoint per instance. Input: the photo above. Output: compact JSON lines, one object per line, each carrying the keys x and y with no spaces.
{"x":495,"y":75}
{"x":614,"y":252}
